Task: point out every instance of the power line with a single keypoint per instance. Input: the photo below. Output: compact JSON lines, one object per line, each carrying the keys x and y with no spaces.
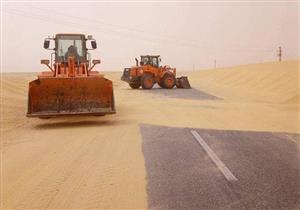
{"x":145,"y":34}
{"x":75,"y":24}
{"x":119,"y":28}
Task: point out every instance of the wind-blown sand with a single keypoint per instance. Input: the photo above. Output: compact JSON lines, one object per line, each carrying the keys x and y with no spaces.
{"x":97,"y":162}
{"x":268,"y":82}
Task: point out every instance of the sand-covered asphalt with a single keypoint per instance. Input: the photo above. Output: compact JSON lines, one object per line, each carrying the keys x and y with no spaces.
{"x":181,"y":175}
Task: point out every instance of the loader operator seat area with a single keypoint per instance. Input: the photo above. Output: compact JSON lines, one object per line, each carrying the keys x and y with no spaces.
{"x":155,"y":61}
{"x":151,"y":60}
{"x":72,"y":51}
{"x":70,"y":45}
{"x":145,"y":61}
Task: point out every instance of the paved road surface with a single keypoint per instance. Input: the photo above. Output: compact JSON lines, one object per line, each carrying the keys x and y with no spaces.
{"x":181,"y":175}
{"x":192,"y":93}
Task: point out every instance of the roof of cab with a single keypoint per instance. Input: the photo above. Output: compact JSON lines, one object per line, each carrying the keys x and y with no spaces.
{"x":150,"y":55}
{"x":69,"y":34}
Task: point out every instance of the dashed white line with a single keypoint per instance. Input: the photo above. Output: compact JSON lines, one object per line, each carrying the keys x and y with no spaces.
{"x":290,"y":138}
{"x":220,"y":165}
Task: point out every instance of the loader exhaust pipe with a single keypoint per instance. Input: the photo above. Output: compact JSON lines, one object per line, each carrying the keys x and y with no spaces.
{"x":137,"y":62}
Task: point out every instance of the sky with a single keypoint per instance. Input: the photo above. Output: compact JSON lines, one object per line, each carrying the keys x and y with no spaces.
{"x":188,"y":35}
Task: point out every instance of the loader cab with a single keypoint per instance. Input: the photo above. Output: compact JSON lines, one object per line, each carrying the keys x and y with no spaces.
{"x":70,"y":44}
{"x":150,"y":60}
{"x":66,"y":45}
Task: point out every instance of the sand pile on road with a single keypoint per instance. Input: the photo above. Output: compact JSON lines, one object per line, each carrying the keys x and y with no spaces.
{"x":13,"y":101}
{"x":68,"y":162}
{"x":266,"y":82}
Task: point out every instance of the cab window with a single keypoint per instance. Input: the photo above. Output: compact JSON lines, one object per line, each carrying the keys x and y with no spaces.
{"x":145,"y":60}
{"x":155,"y":61}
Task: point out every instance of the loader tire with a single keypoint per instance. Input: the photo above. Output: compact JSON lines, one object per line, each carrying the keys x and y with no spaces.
{"x":135,"y":84}
{"x":160,"y":84}
{"x":168,"y":81}
{"x":147,"y":81}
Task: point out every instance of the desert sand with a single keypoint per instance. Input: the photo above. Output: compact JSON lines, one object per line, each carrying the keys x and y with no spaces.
{"x":97,"y":162}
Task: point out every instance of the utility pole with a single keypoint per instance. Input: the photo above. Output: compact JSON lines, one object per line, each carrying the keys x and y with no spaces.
{"x":279,"y":54}
{"x":215,"y":64}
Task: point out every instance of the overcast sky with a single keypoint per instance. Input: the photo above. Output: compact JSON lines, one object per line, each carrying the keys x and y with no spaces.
{"x":183,"y":33}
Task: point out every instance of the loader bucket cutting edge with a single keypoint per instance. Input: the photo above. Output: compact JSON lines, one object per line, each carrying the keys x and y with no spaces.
{"x":70,"y":96}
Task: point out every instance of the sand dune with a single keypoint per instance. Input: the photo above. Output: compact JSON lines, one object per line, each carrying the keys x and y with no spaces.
{"x":267,"y":82}
{"x":97,"y":162}
{"x":294,"y":99}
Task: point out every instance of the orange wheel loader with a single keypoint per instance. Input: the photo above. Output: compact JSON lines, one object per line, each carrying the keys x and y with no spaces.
{"x":70,"y":87}
{"x":150,"y":72}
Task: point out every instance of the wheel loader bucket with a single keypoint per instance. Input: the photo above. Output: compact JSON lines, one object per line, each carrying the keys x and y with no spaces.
{"x":49,"y":97}
{"x":183,"y":82}
{"x":126,"y":75}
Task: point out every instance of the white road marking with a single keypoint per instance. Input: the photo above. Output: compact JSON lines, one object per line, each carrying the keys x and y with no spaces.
{"x":220,"y":165}
{"x":290,"y":138}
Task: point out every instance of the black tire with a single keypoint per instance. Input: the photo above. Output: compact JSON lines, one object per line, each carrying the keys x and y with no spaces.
{"x":168,"y":81}
{"x":147,"y":81}
{"x":135,"y":84}
{"x":160,"y":84}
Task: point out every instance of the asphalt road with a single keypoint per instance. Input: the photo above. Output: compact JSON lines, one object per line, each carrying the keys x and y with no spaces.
{"x":182,"y":175}
{"x":192,"y":93}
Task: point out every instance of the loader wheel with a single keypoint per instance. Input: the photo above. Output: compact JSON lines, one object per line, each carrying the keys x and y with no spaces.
{"x":168,"y":81}
{"x":147,"y":81}
{"x":160,"y":84}
{"x":135,"y":84}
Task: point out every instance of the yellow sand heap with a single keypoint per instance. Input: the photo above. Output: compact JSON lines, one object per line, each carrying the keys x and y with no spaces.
{"x":266,"y":82}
